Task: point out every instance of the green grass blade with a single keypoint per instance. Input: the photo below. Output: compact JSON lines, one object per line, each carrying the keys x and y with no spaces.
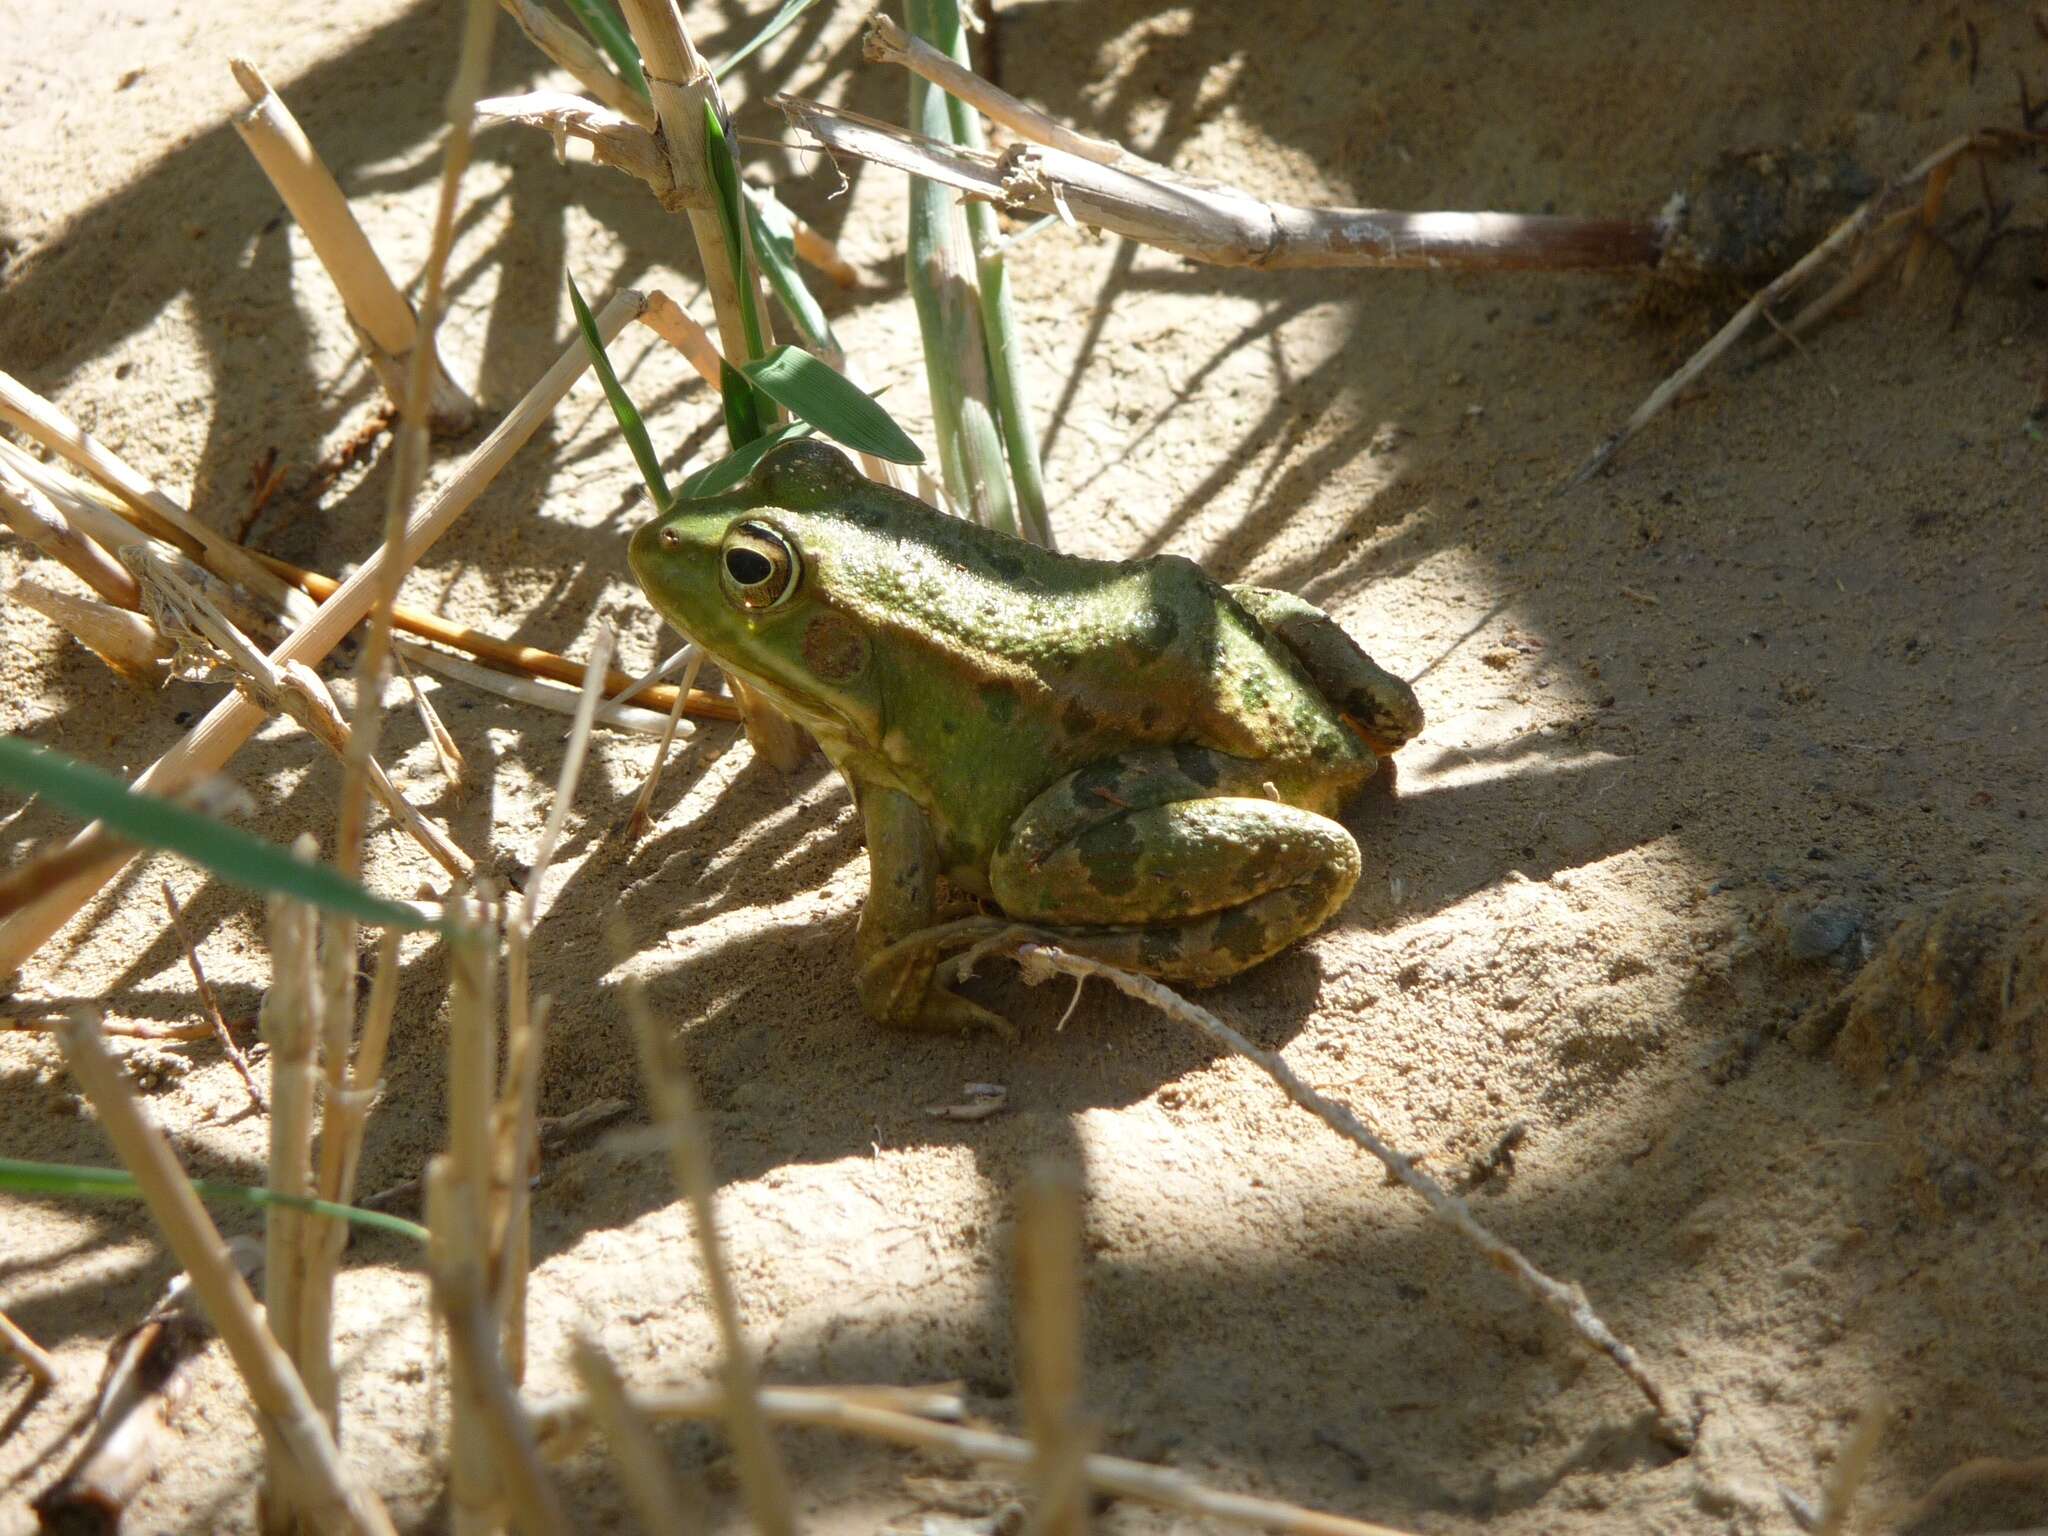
{"x":775,"y":249}
{"x":742,"y":406}
{"x":735,"y":467}
{"x":601,"y":19}
{"x":817,"y":393}
{"x":70,"y":1181}
{"x":227,"y":851}
{"x":630,"y":424}
{"x":725,"y":175}
{"x":787,"y":12}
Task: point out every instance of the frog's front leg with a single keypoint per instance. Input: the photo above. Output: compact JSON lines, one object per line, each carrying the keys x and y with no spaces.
{"x":897,"y":946}
{"x":1174,"y":861}
{"x":1381,"y":707}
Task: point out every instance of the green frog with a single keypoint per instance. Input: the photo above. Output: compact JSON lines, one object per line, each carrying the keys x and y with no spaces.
{"x":1126,"y":758}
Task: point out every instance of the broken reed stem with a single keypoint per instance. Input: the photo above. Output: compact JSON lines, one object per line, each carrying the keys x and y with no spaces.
{"x":390,"y":332}
{"x":561,"y":1424}
{"x":643,"y":803}
{"x":290,"y":1026}
{"x":1983,"y":141}
{"x":127,"y":644}
{"x":156,"y":513}
{"x":531,"y":907}
{"x":510,"y":656}
{"x":459,"y":1192}
{"x":675,"y":1111}
{"x":630,"y":1438}
{"x":211,"y":1003}
{"x":1225,"y":226}
{"x":1048,"y":1307}
{"x":320,"y":1485}
{"x":551,"y":696}
{"x":36,"y":519}
{"x":231,"y":722}
{"x":496,"y":1466}
{"x":681,"y":85}
{"x":940,"y":270}
{"x":1567,"y":1302}
{"x":886,"y":43}
{"x":342,"y":1120}
{"x":35,"y":1359}
{"x":573,"y":52}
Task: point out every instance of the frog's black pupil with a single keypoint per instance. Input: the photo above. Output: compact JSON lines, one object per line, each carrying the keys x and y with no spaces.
{"x":748,"y":567}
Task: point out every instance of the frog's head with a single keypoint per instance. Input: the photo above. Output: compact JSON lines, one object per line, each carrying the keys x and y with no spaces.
{"x":751,"y":576}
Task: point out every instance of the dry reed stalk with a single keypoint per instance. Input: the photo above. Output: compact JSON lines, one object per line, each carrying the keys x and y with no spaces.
{"x":459,"y":1189}
{"x":294,"y":689}
{"x":574,"y":52}
{"x":509,"y":656}
{"x":210,"y":1003}
{"x":887,"y":43}
{"x":49,"y":1023}
{"x":125,"y":643}
{"x":1984,"y":141}
{"x":1224,"y":226}
{"x":228,"y":724}
{"x":291,"y":1027}
{"x":515,"y":1149}
{"x":50,"y":869}
{"x":446,"y":752}
{"x":1048,"y":1307}
{"x":36,"y":519}
{"x":630,"y":1438}
{"x":1038,"y":961}
{"x":389,"y":330}
{"x":674,"y":325}
{"x":643,"y":803}
{"x":35,"y":1359}
{"x":343,"y":1117}
{"x":542,"y":695}
{"x":89,"y":507}
{"x":1879,"y":254}
{"x":321,"y":1487}
{"x":409,"y":469}
{"x":158,"y":515}
{"x":674,"y":1103}
{"x":682,"y":656}
{"x":562,"y":1423}
{"x":681,"y":85}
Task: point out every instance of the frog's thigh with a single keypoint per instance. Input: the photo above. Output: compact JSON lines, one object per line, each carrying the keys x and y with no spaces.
{"x":1199,"y":887}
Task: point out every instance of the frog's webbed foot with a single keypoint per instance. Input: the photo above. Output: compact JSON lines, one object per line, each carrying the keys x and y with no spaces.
{"x":908,"y":984}
{"x":1381,"y":707}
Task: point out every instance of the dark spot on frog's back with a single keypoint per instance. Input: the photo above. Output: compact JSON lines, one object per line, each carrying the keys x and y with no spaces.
{"x":1076,"y":719}
{"x":1109,"y":852}
{"x":1154,"y":630}
{"x":1198,"y":766}
{"x":1005,"y":562}
{"x":999,"y":702}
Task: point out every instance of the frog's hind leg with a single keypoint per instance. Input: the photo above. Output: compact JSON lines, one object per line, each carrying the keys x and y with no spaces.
{"x":1381,"y":707}
{"x":1172,"y":861}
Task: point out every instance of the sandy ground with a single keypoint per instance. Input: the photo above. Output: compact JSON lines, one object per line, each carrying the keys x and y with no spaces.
{"x":1701,"y":736}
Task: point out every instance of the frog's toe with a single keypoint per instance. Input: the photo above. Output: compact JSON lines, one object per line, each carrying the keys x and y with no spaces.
{"x":947,"y":1012}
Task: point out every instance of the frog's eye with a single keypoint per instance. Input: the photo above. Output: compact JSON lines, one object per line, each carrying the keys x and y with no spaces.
{"x":759,"y":566}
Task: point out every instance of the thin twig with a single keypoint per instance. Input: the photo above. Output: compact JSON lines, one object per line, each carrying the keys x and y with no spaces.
{"x":211,"y":1003}
{"x":1048,"y":1309}
{"x":322,"y":1486}
{"x":643,"y":803}
{"x":36,"y":519}
{"x":1852,"y":1465}
{"x":560,"y":1423}
{"x":35,"y":1359}
{"x":1039,"y":961}
{"x":542,"y":695}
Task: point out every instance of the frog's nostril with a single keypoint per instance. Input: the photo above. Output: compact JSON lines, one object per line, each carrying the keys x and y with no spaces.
{"x":670,"y":539}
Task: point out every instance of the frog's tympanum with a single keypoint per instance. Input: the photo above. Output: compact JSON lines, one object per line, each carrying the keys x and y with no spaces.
{"x":1127,"y":759}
